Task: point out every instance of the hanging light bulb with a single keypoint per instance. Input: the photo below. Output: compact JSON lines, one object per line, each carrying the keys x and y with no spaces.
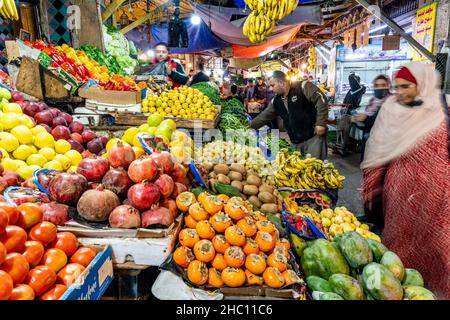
{"x":195,"y":19}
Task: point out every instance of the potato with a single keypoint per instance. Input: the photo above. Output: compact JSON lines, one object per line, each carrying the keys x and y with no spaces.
{"x":254,"y":180}
{"x":250,"y":190}
{"x":223,"y":179}
{"x":235,"y":176}
{"x":266,"y":188}
{"x":238,"y":168}
{"x":221,"y":169}
{"x":208,"y":166}
{"x":212,"y":175}
{"x":266,"y":197}
{"x":238,"y":185}
{"x":255,"y":201}
{"x":212,"y":182}
{"x":269,"y":207}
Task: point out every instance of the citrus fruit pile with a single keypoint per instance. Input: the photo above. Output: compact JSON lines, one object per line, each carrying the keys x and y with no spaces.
{"x":226,"y":243}
{"x":182,"y":102}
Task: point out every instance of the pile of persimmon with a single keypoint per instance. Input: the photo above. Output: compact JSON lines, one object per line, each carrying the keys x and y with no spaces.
{"x":226,"y":243}
{"x":36,"y":261}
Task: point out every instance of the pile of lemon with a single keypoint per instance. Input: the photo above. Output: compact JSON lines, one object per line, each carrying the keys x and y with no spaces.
{"x":182,"y":102}
{"x":26,"y":147}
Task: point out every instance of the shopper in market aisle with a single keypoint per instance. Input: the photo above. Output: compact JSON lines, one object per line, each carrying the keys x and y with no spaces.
{"x":234,"y":94}
{"x":260,"y":93}
{"x":249,"y":91}
{"x":366,"y":120}
{"x":200,"y":76}
{"x":354,"y":95}
{"x":406,"y":168}
{"x":173,"y":69}
{"x":304,"y":110}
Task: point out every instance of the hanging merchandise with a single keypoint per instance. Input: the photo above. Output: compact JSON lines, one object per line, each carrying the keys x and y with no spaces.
{"x":8,"y":10}
{"x":311,"y":59}
{"x":265,"y":13}
{"x":178,"y":35}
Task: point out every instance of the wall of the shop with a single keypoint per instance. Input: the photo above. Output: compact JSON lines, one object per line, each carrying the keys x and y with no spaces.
{"x":442,"y":23}
{"x":57,"y":20}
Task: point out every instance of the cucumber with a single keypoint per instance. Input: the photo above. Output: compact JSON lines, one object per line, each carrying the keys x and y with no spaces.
{"x":227,"y":189}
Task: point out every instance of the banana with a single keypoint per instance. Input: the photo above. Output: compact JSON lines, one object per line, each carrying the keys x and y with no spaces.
{"x":9,"y":8}
{"x":257,"y":23}
{"x":245,"y":28}
{"x":260,"y":6}
{"x":282,"y":9}
{"x":16,"y":14}
{"x":295,"y":4}
{"x":249,"y":4}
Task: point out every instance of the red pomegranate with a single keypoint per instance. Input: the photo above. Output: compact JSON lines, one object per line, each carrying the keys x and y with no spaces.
{"x":143,"y":195}
{"x":178,"y":173}
{"x":67,"y":188}
{"x":125,"y":216}
{"x":165,"y":184}
{"x":156,"y":217}
{"x":97,"y":204}
{"x":121,"y":155}
{"x":93,"y":168}
{"x":117,"y":180}
{"x":164,"y":161}
{"x":142,"y":169}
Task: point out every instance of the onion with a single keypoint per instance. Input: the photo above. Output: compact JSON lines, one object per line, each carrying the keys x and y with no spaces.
{"x":97,"y":204}
{"x":117,"y":180}
{"x":59,"y":121}
{"x":125,"y":216}
{"x":30,"y":109}
{"x":61,"y":132}
{"x":44,"y":117}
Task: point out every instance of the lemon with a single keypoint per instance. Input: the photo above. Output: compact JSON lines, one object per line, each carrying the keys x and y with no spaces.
{"x":65,"y":161}
{"x":155,"y":119}
{"x":111,"y":143}
{"x":62,"y":146}
{"x":26,"y":121}
{"x":72,"y":169}
{"x":20,"y":163}
{"x":36,"y":159}
{"x":143,"y":127}
{"x":12,"y":108}
{"x":23,"y":134}
{"x":3,"y":153}
{"x":136,"y":142}
{"x":170,"y":123}
{"x":9,"y":164}
{"x":44,"y":139}
{"x":55,"y":165}
{"x":74,"y":156}
{"x":38,"y":129}
{"x":151,"y":130}
{"x":129,"y":135}
{"x":48,"y":153}
{"x":9,"y":120}
{"x":8,"y":141}
{"x":33,"y":148}
{"x":138,"y":151}
{"x":22,"y":152}
{"x":25,"y":172}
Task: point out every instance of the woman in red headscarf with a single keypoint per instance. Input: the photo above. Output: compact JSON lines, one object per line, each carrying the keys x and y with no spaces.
{"x":406,"y":170}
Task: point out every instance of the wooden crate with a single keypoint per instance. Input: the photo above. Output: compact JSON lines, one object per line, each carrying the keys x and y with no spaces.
{"x":132,"y":119}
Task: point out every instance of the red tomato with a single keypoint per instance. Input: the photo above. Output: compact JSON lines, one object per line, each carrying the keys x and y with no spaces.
{"x":83,"y":256}
{"x":29,"y":215}
{"x":70,"y":273}
{"x":4,"y":220}
{"x":54,"y":293}
{"x":6,"y":285}
{"x":41,"y":279}
{"x":66,"y":241}
{"x":12,"y":212}
{"x":33,"y":252}
{"x":16,"y":266}
{"x":54,"y":258}
{"x":13,"y":238}
{"x":2,"y":253}
{"x":22,"y":292}
{"x":44,"y":232}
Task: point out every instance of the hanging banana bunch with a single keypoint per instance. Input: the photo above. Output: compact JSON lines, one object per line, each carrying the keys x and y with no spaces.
{"x":311,"y":59}
{"x":8,"y":10}
{"x":265,"y":13}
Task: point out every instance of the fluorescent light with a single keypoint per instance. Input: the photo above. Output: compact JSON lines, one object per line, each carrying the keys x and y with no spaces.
{"x":377,"y":29}
{"x":323,"y":56}
{"x":196,"y":20}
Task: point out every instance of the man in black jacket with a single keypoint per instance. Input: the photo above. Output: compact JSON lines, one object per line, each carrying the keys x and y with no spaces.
{"x":201,"y":76}
{"x":304,"y":110}
{"x":173,"y":69}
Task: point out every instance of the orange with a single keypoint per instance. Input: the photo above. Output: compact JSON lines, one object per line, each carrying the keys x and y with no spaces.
{"x":188,"y":237}
{"x":220,"y":221}
{"x":220,"y":243}
{"x":255,"y":263}
{"x":189,"y":221}
{"x":183,"y":256}
{"x":219,"y":262}
{"x":265,"y":226}
{"x":215,"y":278}
{"x":273,"y":278}
{"x":278,"y":261}
{"x":205,"y":230}
{"x":290,"y":277}
{"x":265,"y":241}
{"x":197,"y":272}
{"x":247,"y":226}
{"x":204,"y":251}
{"x":197,"y":212}
{"x":235,"y":236}
{"x":253,"y":279}
{"x":233,"y":277}
{"x":234,"y":257}
{"x":250,"y":246}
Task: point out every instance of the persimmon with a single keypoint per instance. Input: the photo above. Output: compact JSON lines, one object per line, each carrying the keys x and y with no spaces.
{"x":253,"y":279}
{"x":255,"y":263}
{"x":202,"y":196}
{"x":234,"y":210}
{"x":183,"y":256}
{"x":184,"y":200}
{"x":197,"y":272}
{"x":250,"y":246}
{"x":223,"y":197}
{"x":197,"y":212}
{"x":188,"y":237}
{"x":234,"y":257}
{"x":233,"y":277}
{"x":265,"y":241}
{"x":204,"y":251}
{"x":283,"y":243}
{"x":247,"y":226}
{"x":205,"y":230}
{"x":220,"y":222}
{"x":189,"y":221}
{"x":273,"y":278}
{"x":278,"y":261}
{"x":220,"y":243}
{"x":212,"y":204}
{"x":290,"y":277}
{"x":219,"y":262}
{"x":235,"y":236}
{"x":281,"y":250}
{"x":215,"y":278}
{"x":258,"y":216}
{"x":266,"y":226}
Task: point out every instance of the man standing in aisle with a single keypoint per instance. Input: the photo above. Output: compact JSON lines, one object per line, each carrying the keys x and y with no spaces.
{"x":304,"y":110}
{"x":260,"y":93}
{"x":201,"y":76}
{"x":173,"y":69}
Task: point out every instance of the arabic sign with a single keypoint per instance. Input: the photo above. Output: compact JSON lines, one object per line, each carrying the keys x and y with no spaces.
{"x":424,"y":29}
{"x":370,"y":53}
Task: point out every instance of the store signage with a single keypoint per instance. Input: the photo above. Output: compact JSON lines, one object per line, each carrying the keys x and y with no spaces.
{"x":370,"y":53}
{"x":424,"y":29}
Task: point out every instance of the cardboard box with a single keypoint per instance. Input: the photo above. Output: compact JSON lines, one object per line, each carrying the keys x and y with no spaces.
{"x":93,"y":282}
{"x":111,"y":96}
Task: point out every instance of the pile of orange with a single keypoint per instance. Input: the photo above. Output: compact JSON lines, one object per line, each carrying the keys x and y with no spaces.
{"x":226,"y":243}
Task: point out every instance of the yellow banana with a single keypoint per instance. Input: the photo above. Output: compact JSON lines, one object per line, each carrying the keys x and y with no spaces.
{"x":16,"y":14}
{"x":295,"y":4}
{"x":245,"y":28}
{"x":249,"y":4}
{"x":260,"y":6}
{"x":257,"y":23}
{"x":9,"y":8}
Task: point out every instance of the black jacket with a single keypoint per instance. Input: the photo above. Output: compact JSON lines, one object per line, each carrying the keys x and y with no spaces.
{"x":199,"y":77}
